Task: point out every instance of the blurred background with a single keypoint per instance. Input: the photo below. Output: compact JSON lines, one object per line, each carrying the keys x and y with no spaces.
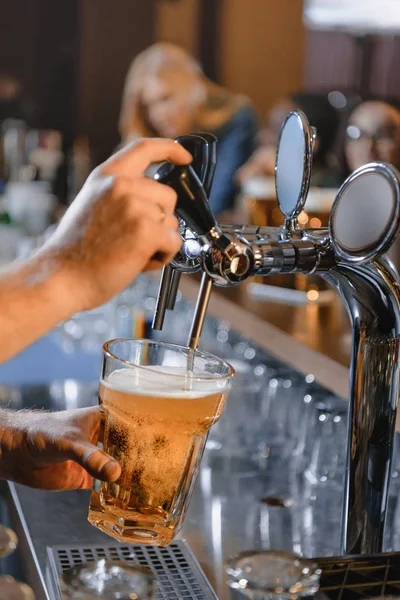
{"x":79,"y":78}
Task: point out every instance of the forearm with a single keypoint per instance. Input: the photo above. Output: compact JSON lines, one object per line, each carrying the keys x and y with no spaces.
{"x":34,"y":296}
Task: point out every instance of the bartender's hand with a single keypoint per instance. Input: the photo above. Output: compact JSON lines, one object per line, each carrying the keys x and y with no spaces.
{"x":120,"y":224}
{"x":54,"y":451}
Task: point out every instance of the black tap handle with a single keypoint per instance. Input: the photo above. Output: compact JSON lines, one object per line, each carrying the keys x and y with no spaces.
{"x":208,"y":177}
{"x":192,"y":205}
{"x":203,"y":148}
{"x":198,"y":148}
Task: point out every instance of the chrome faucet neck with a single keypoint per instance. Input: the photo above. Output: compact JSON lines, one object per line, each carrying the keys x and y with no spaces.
{"x":371,"y":297}
{"x":364,"y":221}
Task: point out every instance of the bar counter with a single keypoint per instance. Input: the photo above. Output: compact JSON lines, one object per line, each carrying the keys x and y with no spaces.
{"x":231,"y":511}
{"x":313,"y":338}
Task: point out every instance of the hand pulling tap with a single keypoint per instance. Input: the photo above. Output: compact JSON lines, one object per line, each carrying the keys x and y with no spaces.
{"x":203,"y":148}
{"x":349,"y":255}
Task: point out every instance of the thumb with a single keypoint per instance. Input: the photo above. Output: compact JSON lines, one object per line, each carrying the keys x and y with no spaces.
{"x":96,"y":462}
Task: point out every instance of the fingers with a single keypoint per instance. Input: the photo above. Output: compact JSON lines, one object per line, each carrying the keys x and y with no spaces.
{"x":148,"y":190}
{"x":137,"y":208}
{"x":153,"y":192}
{"x":95,"y":461}
{"x":135,"y":158}
{"x":169,"y":243}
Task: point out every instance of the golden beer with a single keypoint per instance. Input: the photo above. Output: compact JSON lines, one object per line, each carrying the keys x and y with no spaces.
{"x":156,"y":426}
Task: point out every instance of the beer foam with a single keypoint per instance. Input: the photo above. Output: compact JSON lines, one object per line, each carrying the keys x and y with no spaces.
{"x":160,"y":382}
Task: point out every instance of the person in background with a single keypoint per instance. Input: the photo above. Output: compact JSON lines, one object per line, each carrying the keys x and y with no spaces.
{"x":120,"y":224}
{"x":167,"y":94}
{"x":373,"y":134}
{"x":322,"y":115}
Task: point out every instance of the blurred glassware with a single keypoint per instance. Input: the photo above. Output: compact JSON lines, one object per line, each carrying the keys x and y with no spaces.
{"x":327,"y":444}
{"x":108,"y":580}
{"x":44,"y":153}
{"x":302,"y":446}
{"x":135,"y":308}
{"x":26,"y":246}
{"x":14,"y":150}
{"x":30,"y":205}
{"x":238,"y":515}
{"x":317,"y":479}
{"x":392,"y":527}
{"x":317,"y":521}
{"x":236,"y":439}
{"x":281,"y":412}
{"x":10,"y":240}
{"x":276,"y":523}
{"x":69,"y":394}
{"x":11,"y":397}
{"x":273,"y":575}
{"x":88,"y":330}
{"x":259,"y":201}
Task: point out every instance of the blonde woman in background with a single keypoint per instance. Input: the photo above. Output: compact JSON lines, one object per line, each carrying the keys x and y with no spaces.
{"x":166,"y":95}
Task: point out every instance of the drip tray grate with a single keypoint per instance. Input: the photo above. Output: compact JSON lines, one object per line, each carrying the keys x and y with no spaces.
{"x":357,"y":577}
{"x":177,"y":571}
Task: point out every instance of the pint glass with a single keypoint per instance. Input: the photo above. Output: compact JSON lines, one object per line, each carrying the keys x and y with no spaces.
{"x":159,"y":401}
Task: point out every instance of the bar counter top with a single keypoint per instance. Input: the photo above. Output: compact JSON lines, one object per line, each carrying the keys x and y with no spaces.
{"x":225,"y":517}
{"x":230,"y":511}
{"x":313,"y":338}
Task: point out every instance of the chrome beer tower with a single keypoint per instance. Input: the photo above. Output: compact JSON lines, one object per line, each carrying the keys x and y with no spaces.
{"x":349,"y":255}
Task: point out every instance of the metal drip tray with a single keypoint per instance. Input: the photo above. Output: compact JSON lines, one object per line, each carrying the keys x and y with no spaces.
{"x":356,"y":577}
{"x":178,"y":574}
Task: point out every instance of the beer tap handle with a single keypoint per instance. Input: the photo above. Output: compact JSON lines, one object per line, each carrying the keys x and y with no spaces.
{"x":199,"y":149}
{"x":203,"y":148}
{"x":200,"y":311}
{"x":173,"y":288}
{"x":162,"y":298}
{"x":208,"y":177}
{"x":192,"y":185}
{"x":192,"y":205}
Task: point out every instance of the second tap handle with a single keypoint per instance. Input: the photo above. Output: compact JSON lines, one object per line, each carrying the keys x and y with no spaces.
{"x":162,"y":299}
{"x":208,"y":178}
{"x":173,"y":289}
{"x":203,"y":148}
{"x":200,"y":311}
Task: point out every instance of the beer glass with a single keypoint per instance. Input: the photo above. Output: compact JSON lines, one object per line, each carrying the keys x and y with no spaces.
{"x":159,"y":401}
